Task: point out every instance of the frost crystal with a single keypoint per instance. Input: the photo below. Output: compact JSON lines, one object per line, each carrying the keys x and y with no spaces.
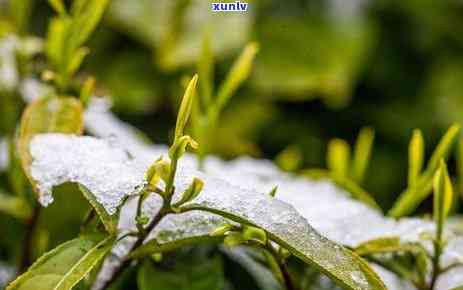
{"x":107,"y":171}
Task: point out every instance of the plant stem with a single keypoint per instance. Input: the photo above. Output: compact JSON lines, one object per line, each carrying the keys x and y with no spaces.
{"x":435,"y":263}
{"x":287,"y":280}
{"x":31,"y":224}
{"x":165,"y":210}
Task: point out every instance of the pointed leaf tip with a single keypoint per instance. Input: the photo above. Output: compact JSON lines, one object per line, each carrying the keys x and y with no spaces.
{"x":185,"y":107}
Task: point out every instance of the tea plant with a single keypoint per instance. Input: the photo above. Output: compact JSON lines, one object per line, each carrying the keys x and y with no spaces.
{"x":150,"y":203}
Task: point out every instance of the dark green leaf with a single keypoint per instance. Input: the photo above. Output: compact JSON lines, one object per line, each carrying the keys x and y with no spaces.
{"x":109,"y":221}
{"x":205,"y":275}
{"x":66,"y":265}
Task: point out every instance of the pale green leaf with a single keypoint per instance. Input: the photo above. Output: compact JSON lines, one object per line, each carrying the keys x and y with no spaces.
{"x":338,"y":157}
{"x":443,"y":148}
{"x":443,"y":196}
{"x":460,"y":166}
{"x":412,"y":196}
{"x":109,"y":221}
{"x":236,"y":76}
{"x":185,"y":107}
{"x":76,"y":60}
{"x":206,"y":71}
{"x":415,"y":157}
{"x":86,"y":18}
{"x":345,"y":183}
{"x":385,"y":245}
{"x":362,"y":153}
{"x":290,"y":159}
{"x":63,"y":267}
{"x":58,"y":32}
{"x":15,"y":206}
{"x":20,"y":11}
{"x":409,"y":199}
{"x":355,"y":190}
{"x":58,"y":6}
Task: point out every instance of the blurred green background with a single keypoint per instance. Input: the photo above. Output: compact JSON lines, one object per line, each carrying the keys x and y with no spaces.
{"x":325,"y":69}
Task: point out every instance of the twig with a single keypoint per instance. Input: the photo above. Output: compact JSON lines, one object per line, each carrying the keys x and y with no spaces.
{"x":165,"y":210}
{"x":31,"y":224}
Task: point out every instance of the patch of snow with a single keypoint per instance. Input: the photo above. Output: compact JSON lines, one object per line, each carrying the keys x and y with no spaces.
{"x":106,"y":170}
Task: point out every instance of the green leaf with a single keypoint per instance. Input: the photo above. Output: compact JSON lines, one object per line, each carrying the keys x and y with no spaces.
{"x":415,"y":157}
{"x":443,"y":148}
{"x":414,"y":195}
{"x":345,"y":183}
{"x":385,"y":245}
{"x":206,"y":71}
{"x":60,"y":115}
{"x":290,"y":159}
{"x":291,"y":231}
{"x":355,"y":190}
{"x":86,"y":17}
{"x":192,"y":191}
{"x":185,"y":107}
{"x":460,"y":166}
{"x":21,"y":11}
{"x":109,"y":221}
{"x":411,"y":198}
{"x":15,"y":206}
{"x":63,"y":267}
{"x":153,"y":246}
{"x":236,"y":76}
{"x":58,"y":32}
{"x":443,"y":196}
{"x":362,"y":153}
{"x":76,"y":60}
{"x":338,"y":157}
{"x":58,"y":6}
{"x":458,"y":288}
{"x":205,"y":275}
{"x":87,"y":90}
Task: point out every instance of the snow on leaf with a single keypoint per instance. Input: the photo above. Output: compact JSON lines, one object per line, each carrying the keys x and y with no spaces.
{"x":105,"y":170}
{"x":283,"y":224}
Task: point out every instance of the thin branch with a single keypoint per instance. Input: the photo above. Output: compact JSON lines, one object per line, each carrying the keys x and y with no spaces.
{"x":31,"y":225}
{"x":165,"y":210}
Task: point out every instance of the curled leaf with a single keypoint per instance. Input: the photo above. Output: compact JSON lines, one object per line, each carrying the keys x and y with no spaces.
{"x":443,"y":196}
{"x":185,"y":107}
{"x":63,"y":115}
